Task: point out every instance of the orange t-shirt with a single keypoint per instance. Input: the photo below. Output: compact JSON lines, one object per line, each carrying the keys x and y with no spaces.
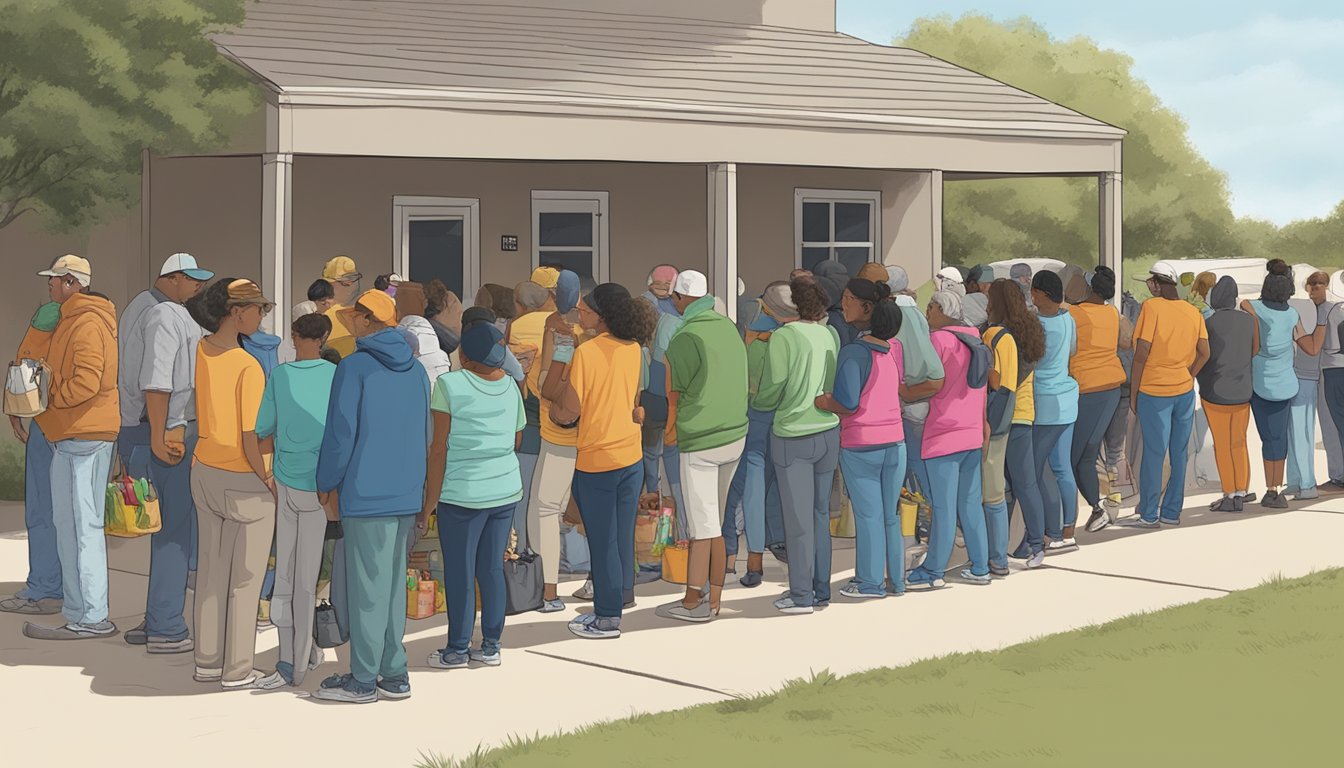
{"x":605,"y":376}
{"x":229,"y":385}
{"x":1174,"y":329}
{"x":1096,"y":366}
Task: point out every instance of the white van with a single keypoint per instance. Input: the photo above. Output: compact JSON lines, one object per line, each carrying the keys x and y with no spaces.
{"x":1001,"y":268}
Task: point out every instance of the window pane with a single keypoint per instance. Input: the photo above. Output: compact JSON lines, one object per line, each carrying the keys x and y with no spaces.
{"x":578,"y":262}
{"x":816,"y":222}
{"x":565,"y":229}
{"x":436,"y":251}
{"x":814,"y":256}
{"x":853,"y":258}
{"x":851,"y":222}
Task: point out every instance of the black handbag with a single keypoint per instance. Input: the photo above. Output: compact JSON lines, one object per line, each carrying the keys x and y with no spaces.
{"x":326,"y":629}
{"x":523,"y":583}
{"x":329,"y":631}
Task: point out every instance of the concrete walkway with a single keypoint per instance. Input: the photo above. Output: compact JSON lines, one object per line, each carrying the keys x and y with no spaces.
{"x":118,"y":705}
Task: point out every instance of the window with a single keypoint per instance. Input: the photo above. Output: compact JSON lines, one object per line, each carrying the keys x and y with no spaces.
{"x":569,"y":231}
{"x":836,"y":225}
{"x":438,"y":237}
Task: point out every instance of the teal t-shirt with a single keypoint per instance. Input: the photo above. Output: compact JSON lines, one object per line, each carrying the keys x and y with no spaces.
{"x":482,"y":470}
{"x":294,"y":409}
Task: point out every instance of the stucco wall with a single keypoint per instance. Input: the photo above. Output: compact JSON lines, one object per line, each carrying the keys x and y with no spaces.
{"x":209,"y":207}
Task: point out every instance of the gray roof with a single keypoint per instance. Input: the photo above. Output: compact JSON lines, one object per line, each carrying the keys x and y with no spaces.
{"x":675,"y":68}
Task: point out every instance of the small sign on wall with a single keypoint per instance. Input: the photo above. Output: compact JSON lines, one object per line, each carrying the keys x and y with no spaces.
{"x":508,"y":243}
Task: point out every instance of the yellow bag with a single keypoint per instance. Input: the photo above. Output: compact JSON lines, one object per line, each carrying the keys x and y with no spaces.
{"x":842,"y":525}
{"x":909,"y":511}
{"x":675,"y":560}
{"x":440,"y":598}
{"x":131,"y":508}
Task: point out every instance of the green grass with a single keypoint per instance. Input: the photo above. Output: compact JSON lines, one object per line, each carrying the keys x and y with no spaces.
{"x":1246,"y":679}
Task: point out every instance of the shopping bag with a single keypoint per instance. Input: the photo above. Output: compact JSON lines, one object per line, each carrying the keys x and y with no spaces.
{"x":326,"y":629}
{"x":420,"y":594}
{"x":842,"y":523}
{"x":646,"y":529}
{"x":26,"y":388}
{"x":131,"y":508}
{"x":523,"y":583}
{"x":675,"y":559}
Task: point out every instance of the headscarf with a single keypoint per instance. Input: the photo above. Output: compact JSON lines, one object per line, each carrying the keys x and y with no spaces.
{"x":1076,"y":285}
{"x":1224,"y":293}
{"x":566,"y":291}
{"x":777,"y":302}
{"x":874,"y":272}
{"x":897,"y":279}
{"x":530,"y":296}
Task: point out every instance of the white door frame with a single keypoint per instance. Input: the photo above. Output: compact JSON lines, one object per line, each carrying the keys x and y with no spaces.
{"x":407,"y":208}
{"x":570,"y":201}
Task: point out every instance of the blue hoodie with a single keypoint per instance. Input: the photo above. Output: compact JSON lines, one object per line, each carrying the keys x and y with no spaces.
{"x":262,"y":346}
{"x":376,"y":445}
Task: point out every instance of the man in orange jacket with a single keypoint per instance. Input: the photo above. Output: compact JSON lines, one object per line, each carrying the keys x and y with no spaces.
{"x":81,"y":421}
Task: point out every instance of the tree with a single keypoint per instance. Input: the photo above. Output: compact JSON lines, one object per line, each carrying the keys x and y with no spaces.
{"x":1175,"y":203}
{"x":85,"y":85}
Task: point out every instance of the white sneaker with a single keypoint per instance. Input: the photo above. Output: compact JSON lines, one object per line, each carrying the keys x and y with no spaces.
{"x":271,"y":682}
{"x":1036,"y":560}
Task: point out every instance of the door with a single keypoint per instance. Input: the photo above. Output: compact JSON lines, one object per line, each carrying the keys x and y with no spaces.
{"x":439,"y":238}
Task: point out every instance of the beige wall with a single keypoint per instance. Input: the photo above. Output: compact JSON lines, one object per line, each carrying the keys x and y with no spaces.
{"x":209,"y":207}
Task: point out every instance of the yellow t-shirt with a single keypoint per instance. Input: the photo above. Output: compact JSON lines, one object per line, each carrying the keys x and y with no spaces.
{"x":529,"y":331}
{"x":340,"y":338}
{"x":1174,"y":329}
{"x":229,"y":385}
{"x":605,"y":376}
{"x":1096,"y":367}
{"x":1005,"y":357}
{"x":1024,"y":412}
{"x":550,"y":431}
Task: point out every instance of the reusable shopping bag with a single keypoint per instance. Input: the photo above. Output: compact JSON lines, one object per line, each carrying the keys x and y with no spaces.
{"x":523,"y":583}
{"x":131,"y":508}
{"x":26,"y":388}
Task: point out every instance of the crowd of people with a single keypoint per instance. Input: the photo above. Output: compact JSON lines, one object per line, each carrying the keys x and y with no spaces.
{"x":398,"y":404}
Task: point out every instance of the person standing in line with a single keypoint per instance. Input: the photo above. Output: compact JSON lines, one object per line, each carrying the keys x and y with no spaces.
{"x":953,"y":449}
{"x":832,"y":276}
{"x":1056,"y":394}
{"x":1171,"y":347}
{"x":231,"y":486}
{"x":921,"y":365}
{"x":294,"y":412}
{"x":805,"y":442}
{"x":1273,"y":381}
{"x":344,"y":277}
{"x":707,"y":412}
{"x":656,"y":445}
{"x":525,"y":338}
{"x":1097,"y":369}
{"x":473,"y":481}
{"x":601,"y":397}
{"x":81,"y":421}
{"x":1332,"y":381}
{"x":1020,"y":273}
{"x":371,"y":473}
{"x":659,"y":294}
{"x":157,"y":378}
{"x":41,"y":593}
{"x":1199,"y":292}
{"x":868,"y":377}
{"x":1016,"y":355}
{"x":974,"y":305}
{"x":1225,"y":386}
{"x":1312,"y":313}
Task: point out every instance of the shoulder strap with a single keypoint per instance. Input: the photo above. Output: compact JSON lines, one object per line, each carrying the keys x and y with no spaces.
{"x":994,"y":344}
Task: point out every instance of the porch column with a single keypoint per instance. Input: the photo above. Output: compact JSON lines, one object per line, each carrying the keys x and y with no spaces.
{"x":1109,"y":240}
{"x":935,"y":224}
{"x":722,"y":230}
{"x":276,"y":173}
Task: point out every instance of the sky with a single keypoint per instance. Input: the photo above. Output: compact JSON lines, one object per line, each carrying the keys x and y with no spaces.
{"x":1261,"y":85}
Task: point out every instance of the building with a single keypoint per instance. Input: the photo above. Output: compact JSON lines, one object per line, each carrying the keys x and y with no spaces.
{"x":471,"y":140}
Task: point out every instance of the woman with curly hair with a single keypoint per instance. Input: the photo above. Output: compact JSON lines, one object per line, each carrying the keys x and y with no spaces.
{"x":601,"y":394}
{"x":1015,"y":358}
{"x":805,"y":442}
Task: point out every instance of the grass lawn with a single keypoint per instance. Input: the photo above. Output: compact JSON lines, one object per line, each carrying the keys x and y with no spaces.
{"x":1247,"y":679}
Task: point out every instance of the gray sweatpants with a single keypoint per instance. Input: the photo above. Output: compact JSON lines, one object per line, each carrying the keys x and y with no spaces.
{"x":805,"y":469}
{"x":300,"y":529}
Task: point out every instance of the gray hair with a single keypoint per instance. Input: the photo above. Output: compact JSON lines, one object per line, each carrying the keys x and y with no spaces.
{"x":950,"y":302}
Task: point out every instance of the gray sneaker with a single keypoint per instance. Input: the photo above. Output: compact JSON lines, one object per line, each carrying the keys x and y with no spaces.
{"x":136,"y":636}
{"x":1036,"y":560}
{"x":395,"y":689}
{"x":489,"y":657}
{"x":697,"y":615}
{"x":16,"y":604}
{"x":551,"y":606}
{"x":585,"y":592}
{"x":164,"y":645}
{"x":1139,"y":522}
{"x":971,"y":578}
{"x":786,"y":605}
{"x":1274,"y":500}
{"x":345,"y":689}
{"x":70,"y":631}
{"x":446,"y":659}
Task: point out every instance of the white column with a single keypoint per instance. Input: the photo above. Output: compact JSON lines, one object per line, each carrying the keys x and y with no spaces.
{"x":935,"y":223}
{"x":722,"y":229}
{"x":276,"y":173}
{"x":1110,"y":220}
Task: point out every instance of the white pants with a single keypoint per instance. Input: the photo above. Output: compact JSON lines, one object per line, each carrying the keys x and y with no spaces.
{"x":551,"y":483}
{"x":705,"y":478}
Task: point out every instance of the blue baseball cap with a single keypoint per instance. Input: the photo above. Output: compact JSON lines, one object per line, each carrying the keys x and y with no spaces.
{"x":482,"y":343}
{"x":186,"y":264}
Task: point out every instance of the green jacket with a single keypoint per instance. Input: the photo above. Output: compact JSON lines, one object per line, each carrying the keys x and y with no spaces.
{"x":800,"y":364}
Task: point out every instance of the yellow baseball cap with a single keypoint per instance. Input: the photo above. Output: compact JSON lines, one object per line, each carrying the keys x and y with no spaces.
{"x":72,"y":265}
{"x":546,"y":277}
{"x":340,"y":268}
{"x":377,"y":303}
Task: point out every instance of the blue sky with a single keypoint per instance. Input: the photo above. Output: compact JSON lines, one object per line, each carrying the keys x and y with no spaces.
{"x":1260,"y":84}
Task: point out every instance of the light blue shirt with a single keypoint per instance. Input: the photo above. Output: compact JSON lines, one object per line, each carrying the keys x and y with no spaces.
{"x":482,"y":469}
{"x":1056,"y":391}
{"x":294,"y":409}
{"x":1272,"y":370}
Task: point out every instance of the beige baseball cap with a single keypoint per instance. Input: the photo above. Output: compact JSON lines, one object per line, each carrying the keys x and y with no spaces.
{"x":72,"y":265}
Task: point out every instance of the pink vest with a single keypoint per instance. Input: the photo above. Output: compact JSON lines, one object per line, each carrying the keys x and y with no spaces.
{"x":877,"y":421}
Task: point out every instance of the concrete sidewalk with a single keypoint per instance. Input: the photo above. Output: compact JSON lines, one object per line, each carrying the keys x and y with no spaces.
{"x":123,"y":706}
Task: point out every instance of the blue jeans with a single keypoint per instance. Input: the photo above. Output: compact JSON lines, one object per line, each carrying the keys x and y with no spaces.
{"x":473,"y":542}
{"x":1095,"y":412}
{"x":1044,"y":439}
{"x":44,"y":563}
{"x":1024,"y":478}
{"x":873,"y":477}
{"x":914,"y":445}
{"x":1062,"y":507}
{"x":527,"y":466}
{"x":956,"y":497}
{"x":608,"y":502}
{"x":79,"y":471}
{"x":1166,"y":423}
{"x":762,"y":514}
{"x":805,"y":467}
{"x":170,"y":549}
{"x":1302,"y":437}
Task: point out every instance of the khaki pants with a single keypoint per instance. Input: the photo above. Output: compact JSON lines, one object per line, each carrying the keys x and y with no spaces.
{"x":551,"y":484}
{"x":993,"y":480}
{"x":705,"y":477}
{"x":236,"y":517}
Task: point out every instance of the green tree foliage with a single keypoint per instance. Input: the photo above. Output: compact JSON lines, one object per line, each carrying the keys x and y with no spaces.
{"x":1175,"y":203}
{"x":1312,"y":241}
{"x":86,"y":84}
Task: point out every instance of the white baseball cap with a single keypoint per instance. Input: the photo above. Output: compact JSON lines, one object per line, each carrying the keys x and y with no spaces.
{"x":950,"y":274}
{"x":73,"y":266}
{"x":186,"y":264}
{"x":1163,"y":270}
{"x":691,"y":283}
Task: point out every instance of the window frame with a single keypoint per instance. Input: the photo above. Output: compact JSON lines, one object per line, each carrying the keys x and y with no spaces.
{"x":575,"y":201}
{"x":831,"y":197}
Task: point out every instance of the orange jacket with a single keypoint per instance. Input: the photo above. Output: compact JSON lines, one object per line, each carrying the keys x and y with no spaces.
{"x":84,"y":402}
{"x":36,"y":345}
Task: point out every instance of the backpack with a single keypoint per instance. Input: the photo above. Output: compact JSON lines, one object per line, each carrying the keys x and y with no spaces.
{"x":1000,"y":404}
{"x":982,"y":360}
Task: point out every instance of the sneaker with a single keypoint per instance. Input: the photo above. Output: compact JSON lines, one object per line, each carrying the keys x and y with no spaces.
{"x":165,"y":645}
{"x":1036,"y":560}
{"x":249,"y":681}
{"x":1169,"y":523}
{"x":487,"y":656}
{"x":551,"y":606}
{"x":1226,"y":504}
{"x":752,"y":579}
{"x":648,"y":575}
{"x":1248,"y":498}
{"x":1274,"y":500}
{"x":998,"y":570}
{"x":700,"y":614}
{"x":923,"y":580}
{"x":971,"y":578}
{"x":447,"y":659}
{"x":853,"y":592}
{"x":595,"y":628}
{"x":394,"y":689}
{"x":786,"y":605}
{"x":585,"y":592}
{"x":16,"y":604}
{"x":1237,"y":504}
{"x":203,"y":675}
{"x":1139,"y":522}
{"x":274,"y":681}
{"x":345,"y":689}
{"x":136,"y":636}
{"x":628,"y":604}
{"x":70,"y":631}
{"x":1309,"y":495}
{"x":1330,"y":488}
{"x":1022,"y":552}
{"x":1060,"y":545}
{"x":1099,"y":520}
